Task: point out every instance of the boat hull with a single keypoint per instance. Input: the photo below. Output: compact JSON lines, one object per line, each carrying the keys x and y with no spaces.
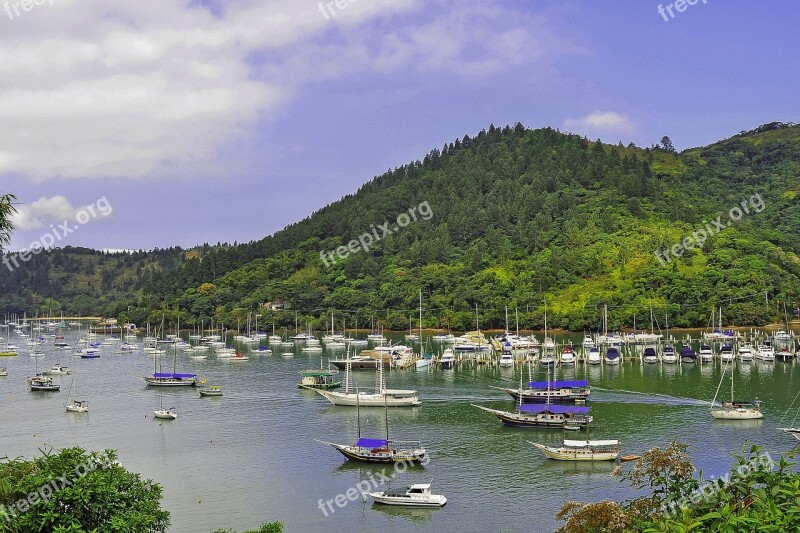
{"x":369,"y":400}
{"x":555,"y":395}
{"x":566,"y":454}
{"x":366,"y":455}
{"x":736,"y":414}
{"x":402,"y":501}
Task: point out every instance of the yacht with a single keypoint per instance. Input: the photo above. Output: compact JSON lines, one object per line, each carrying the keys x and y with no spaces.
{"x":417,"y":495}
{"x":559,"y":391}
{"x":58,"y":370}
{"x":506,"y":358}
{"x":765,"y":353}
{"x":781,"y":335}
{"x":593,"y":358}
{"x":612,"y":356}
{"x":588,"y":342}
{"x":706,"y":353}
{"x":448,"y":358}
{"x":650,"y":356}
{"x":726,"y":353}
{"x":582,"y":450}
{"x":746,"y":353}
{"x":735,"y":410}
{"x":567,"y":356}
{"x":687,"y":354}
{"x":43,"y":383}
{"x":668,"y":355}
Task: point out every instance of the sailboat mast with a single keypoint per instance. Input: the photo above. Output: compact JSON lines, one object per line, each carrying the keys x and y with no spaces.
{"x":420,"y":322}
{"x":386,"y":415}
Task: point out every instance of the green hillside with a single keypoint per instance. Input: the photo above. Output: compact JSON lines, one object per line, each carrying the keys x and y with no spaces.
{"x":511,"y":217}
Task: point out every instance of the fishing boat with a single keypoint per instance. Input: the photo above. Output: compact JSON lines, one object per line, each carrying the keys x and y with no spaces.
{"x":735,"y":410}
{"x":73,"y":405}
{"x":612,"y":356}
{"x":213,"y":390}
{"x":765,"y":353}
{"x":380,"y":450}
{"x":687,"y":354}
{"x":165,"y":414}
{"x":58,"y":370}
{"x":41,"y":382}
{"x":593,"y":358}
{"x":448,"y":358}
{"x":417,"y":495}
{"x":581,"y":450}
{"x":650,"y":355}
{"x":318,"y":379}
{"x":382,"y":396}
{"x":668,"y":356}
{"x":706,"y":353}
{"x":567,"y":356}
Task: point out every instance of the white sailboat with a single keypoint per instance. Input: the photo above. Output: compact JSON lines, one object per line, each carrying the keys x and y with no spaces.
{"x":73,"y":405}
{"x":381,"y":397}
{"x":166,"y":414}
{"x":581,"y":450}
{"x":735,"y":410}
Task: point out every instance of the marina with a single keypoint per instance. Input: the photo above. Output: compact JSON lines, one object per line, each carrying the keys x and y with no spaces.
{"x":242,"y":440}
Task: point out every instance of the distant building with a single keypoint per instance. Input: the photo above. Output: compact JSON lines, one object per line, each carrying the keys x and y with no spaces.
{"x":277,"y":305}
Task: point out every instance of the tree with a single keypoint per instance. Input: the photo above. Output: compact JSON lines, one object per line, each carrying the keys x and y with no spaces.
{"x":666,"y":145}
{"x":71,"y":491}
{"x":6,"y":210}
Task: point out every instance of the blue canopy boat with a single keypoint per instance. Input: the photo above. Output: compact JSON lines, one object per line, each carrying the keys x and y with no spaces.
{"x":546,"y":416}
{"x":564,"y":391}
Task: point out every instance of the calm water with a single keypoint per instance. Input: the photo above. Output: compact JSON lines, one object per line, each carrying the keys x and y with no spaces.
{"x":251,"y":456}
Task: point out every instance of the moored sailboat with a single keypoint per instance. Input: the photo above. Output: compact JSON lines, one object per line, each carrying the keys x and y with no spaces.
{"x":735,"y":410}
{"x":581,"y":450}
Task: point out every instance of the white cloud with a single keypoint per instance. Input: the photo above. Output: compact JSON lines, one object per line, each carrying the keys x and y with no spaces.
{"x":600,"y":123}
{"x":53,"y":210}
{"x":113,"y":88}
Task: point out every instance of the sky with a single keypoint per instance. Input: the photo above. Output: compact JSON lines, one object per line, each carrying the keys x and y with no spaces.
{"x":155,"y":123}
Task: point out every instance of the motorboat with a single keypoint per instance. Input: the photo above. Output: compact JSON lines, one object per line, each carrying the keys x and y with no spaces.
{"x":581,"y":450}
{"x":781,"y":335}
{"x":593,"y":358}
{"x":706,"y":353}
{"x":213,"y":390}
{"x":687,"y":354}
{"x":567,"y":356}
{"x":588,"y":342}
{"x":448,"y":358}
{"x":506,"y":357}
{"x":612,"y":356}
{"x":58,"y":370}
{"x":765,"y":353}
{"x":417,"y":495}
{"x":726,"y":353}
{"x":650,"y":356}
{"x":668,"y":356}
{"x":746,"y":353}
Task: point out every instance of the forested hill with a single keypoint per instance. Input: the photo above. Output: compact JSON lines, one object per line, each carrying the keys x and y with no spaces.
{"x":517,"y":217}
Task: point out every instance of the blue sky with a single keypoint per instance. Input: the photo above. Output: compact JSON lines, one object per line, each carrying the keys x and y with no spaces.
{"x":225,"y":121}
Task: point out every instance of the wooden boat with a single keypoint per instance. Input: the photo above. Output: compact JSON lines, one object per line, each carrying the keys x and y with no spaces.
{"x":380,"y":450}
{"x":564,"y":391}
{"x":417,"y":495}
{"x":545,"y":416}
{"x":582,"y":450}
{"x":43,"y":383}
{"x":735,"y":410}
{"x":213,"y":390}
{"x":626,"y":458}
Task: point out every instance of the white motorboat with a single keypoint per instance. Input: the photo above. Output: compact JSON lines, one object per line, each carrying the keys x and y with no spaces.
{"x":77,"y":407}
{"x":726,"y":353}
{"x":417,"y":495}
{"x":582,"y":450}
{"x":448,"y":358}
{"x":781,"y":335}
{"x":650,"y":355}
{"x":506,"y":357}
{"x":3,"y":371}
{"x":58,"y":370}
{"x":706,"y":354}
{"x":765,"y":353}
{"x":612,"y":356}
{"x":593,"y":358}
{"x":746,"y":353}
{"x":669,"y":356}
{"x":588,"y":342}
{"x":567,"y":356}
